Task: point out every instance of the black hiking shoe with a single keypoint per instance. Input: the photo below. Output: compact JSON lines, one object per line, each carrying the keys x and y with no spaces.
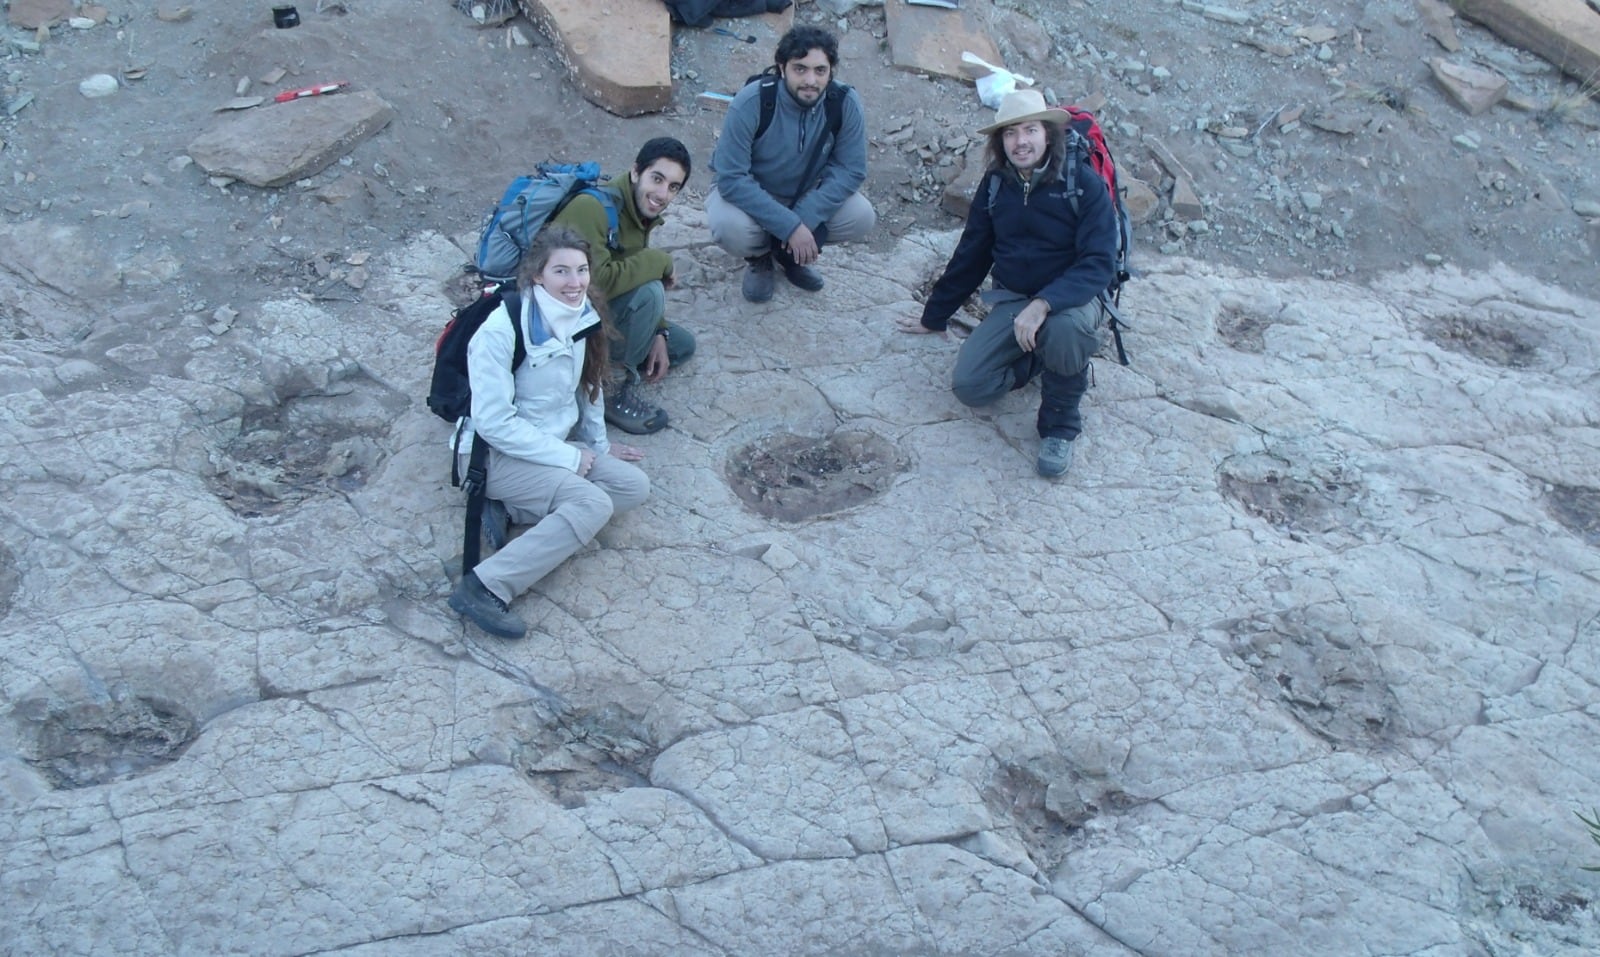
{"x":758,"y":281}
{"x":480,"y":606}
{"x":628,"y":412}
{"x":800,"y":277}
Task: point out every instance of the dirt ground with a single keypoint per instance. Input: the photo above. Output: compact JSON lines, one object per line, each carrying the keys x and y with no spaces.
{"x":1417,"y":180}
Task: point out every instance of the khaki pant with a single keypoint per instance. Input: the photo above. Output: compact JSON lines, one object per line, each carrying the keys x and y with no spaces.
{"x":569,"y":511}
{"x":735,"y":231}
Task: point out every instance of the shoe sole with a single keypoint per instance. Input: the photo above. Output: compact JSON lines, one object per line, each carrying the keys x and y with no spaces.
{"x":805,"y":287}
{"x":460,"y":609}
{"x":645,"y":429}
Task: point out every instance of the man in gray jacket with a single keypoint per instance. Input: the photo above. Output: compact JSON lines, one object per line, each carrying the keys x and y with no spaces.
{"x":789,"y":164}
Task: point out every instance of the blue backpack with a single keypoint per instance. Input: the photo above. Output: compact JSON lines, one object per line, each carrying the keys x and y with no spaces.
{"x":529,"y":202}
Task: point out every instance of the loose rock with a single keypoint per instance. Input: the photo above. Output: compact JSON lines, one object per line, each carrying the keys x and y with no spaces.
{"x":99,"y":85}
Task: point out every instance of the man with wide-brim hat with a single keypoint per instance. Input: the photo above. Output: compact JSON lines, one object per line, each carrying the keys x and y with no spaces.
{"x":1050,"y":258}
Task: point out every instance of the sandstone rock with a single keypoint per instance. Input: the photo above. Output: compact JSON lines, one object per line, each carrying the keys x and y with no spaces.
{"x":1024,"y":33}
{"x":1282,"y":705}
{"x":1474,"y":89}
{"x":1439,"y":21}
{"x":285,"y":142}
{"x":625,"y":70}
{"x":932,"y":39}
{"x":956,"y":199}
{"x":1139,"y":199}
{"x":32,"y":14}
{"x":1565,"y":32}
{"x":1185,"y":202}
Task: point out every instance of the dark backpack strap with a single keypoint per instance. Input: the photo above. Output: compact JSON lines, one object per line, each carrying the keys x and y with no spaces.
{"x":477,"y":486}
{"x":769,"y":102}
{"x":833,"y":106}
{"x":993,"y":179}
{"x":476,"y":481}
{"x":1115,"y":321}
{"x":519,"y":348}
{"x":1077,"y":152}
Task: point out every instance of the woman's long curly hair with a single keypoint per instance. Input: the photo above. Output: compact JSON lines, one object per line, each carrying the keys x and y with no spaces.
{"x":597,"y":348}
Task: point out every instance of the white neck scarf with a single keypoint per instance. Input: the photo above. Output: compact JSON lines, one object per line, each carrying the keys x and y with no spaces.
{"x":561,"y":319}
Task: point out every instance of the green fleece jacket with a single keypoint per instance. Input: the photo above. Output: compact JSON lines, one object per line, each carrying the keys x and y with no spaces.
{"x":617,"y":271}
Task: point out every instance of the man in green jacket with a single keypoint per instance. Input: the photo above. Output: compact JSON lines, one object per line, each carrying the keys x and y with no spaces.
{"x":635,"y":278}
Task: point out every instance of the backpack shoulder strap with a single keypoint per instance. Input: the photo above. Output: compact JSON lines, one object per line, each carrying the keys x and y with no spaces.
{"x":610,"y":206}
{"x":993,"y":179}
{"x":1077,"y":151}
{"x":833,"y":104}
{"x":519,"y":349}
{"x":769,"y":103}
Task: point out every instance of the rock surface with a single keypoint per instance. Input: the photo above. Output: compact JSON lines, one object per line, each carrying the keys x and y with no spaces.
{"x":1301,"y":657}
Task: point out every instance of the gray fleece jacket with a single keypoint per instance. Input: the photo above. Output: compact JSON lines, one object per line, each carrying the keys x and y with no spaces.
{"x":763,"y":178}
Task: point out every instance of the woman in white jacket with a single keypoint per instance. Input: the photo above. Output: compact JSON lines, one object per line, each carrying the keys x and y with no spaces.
{"x":550,"y":462}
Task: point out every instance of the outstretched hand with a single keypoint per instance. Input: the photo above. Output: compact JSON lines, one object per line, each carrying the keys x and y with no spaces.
{"x":627,"y":453}
{"x":913,"y":326}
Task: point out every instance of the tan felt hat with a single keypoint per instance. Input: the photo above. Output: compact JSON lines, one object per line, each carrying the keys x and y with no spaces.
{"x":1021,"y":106}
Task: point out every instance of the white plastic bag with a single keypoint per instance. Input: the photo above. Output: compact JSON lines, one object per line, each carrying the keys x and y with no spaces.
{"x":994,"y":85}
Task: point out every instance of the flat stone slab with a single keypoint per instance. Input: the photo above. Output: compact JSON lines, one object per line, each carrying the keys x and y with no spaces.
{"x":31,"y":14}
{"x":279,"y":143}
{"x":1474,"y":89}
{"x":932,"y":39}
{"x":617,"y":51}
{"x":1565,"y":32}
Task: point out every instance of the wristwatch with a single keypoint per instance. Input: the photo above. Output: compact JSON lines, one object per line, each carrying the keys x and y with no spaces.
{"x":664,"y":333}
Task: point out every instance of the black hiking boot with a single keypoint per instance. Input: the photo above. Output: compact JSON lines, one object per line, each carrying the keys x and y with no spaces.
{"x":480,"y":606}
{"x":801,"y":277}
{"x":758,"y":281}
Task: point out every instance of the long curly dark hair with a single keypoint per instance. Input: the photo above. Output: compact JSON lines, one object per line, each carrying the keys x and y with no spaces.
{"x":1055,"y":151}
{"x":597,"y":348}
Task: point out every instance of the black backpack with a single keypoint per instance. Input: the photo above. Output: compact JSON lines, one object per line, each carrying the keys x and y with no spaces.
{"x":450,"y":398}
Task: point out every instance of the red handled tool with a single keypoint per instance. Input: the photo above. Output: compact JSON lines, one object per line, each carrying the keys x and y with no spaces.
{"x":317,"y":90}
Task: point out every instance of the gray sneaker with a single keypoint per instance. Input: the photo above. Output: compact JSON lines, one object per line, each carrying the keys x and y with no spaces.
{"x":758,"y":281}
{"x":1055,"y":457}
{"x":628,"y":412}
{"x":480,"y":606}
